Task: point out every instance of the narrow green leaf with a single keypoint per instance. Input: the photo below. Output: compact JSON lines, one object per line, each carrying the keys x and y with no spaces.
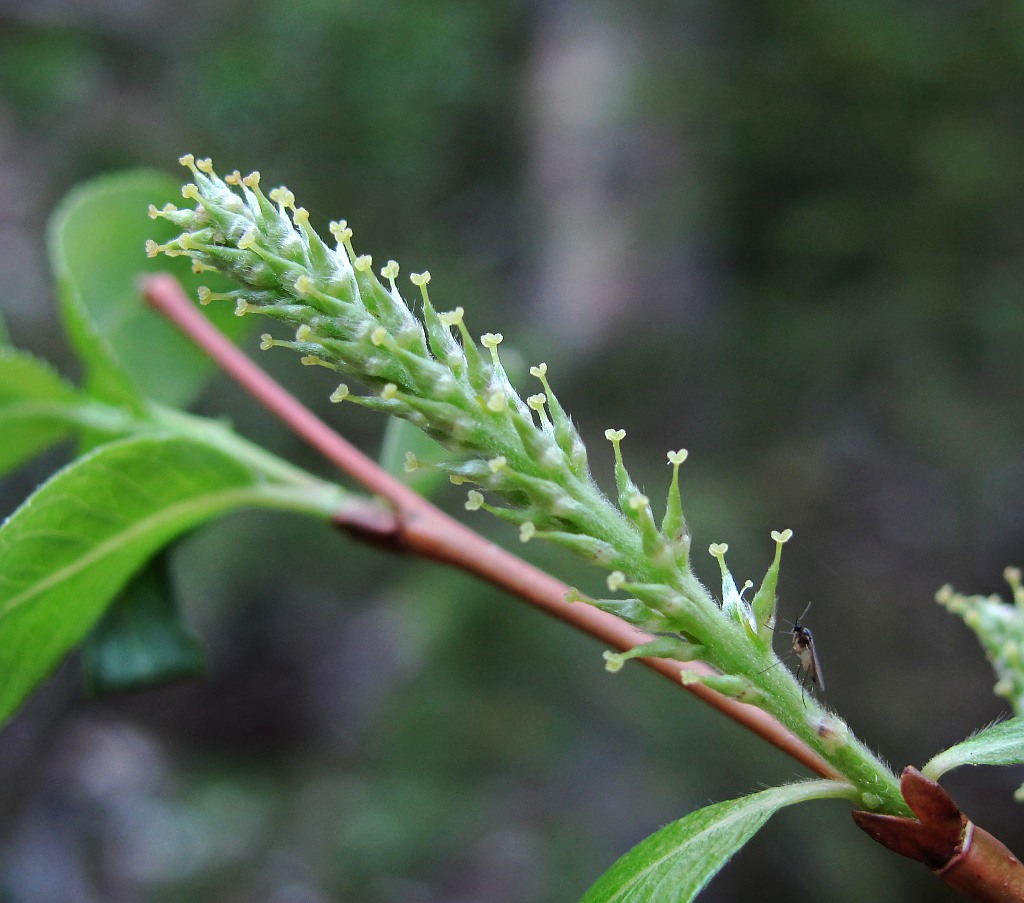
{"x":401,"y":437}
{"x":71,"y":547}
{"x":96,"y":242}
{"x":5,"y":336}
{"x":32,"y":400}
{"x":142,"y":640}
{"x":676,"y":863}
{"x":999,"y":744}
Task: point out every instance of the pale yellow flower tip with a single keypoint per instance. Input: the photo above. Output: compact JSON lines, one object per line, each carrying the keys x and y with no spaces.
{"x":282,"y":195}
{"x":452,"y":317}
{"x":613,"y":661}
{"x":340,"y":230}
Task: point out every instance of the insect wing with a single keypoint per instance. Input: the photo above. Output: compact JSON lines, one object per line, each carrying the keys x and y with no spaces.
{"x":813,"y":666}
{"x":803,"y":646}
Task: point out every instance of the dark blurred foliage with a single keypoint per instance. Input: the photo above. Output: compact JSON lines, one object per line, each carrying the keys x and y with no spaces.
{"x":785,"y":236}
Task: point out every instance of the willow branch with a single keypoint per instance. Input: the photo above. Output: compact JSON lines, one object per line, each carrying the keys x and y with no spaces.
{"x":414,"y":526}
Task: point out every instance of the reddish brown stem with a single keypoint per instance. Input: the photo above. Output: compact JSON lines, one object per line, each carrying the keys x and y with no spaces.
{"x":963,"y":855}
{"x":419,"y":528}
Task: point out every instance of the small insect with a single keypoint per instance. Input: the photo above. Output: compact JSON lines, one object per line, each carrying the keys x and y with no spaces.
{"x":803,"y":648}
{"x":809,"y":668}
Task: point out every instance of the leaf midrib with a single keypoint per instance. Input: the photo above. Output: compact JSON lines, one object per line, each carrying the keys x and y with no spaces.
{"x":206,"y":504}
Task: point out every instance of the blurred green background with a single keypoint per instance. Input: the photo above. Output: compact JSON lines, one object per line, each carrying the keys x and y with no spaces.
{"x":785,"y":236}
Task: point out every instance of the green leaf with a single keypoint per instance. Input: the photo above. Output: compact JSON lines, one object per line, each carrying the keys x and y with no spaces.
{"x":1000,"y":744}
{"x":33,"y":405}
{"x":675,"y":864}
{"x":71,"y":547}
{"x":142,"y":640}
{"x":96,"y":242}
{"x":5,"y":336}
{"x":400,"y":437}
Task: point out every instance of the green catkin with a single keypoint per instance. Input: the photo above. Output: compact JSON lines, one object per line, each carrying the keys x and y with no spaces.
{"x":431,"y":372}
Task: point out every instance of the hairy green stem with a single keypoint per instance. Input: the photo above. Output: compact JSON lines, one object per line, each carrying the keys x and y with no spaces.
{"x":826,"y":733}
